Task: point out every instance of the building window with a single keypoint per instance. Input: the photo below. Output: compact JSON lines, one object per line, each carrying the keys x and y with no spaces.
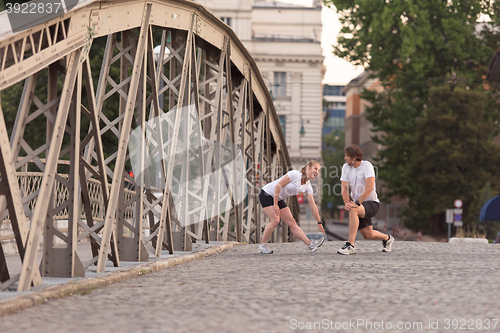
{"x":279,"y":87}
{"x":336,"y":105}
{"x":335,"y":122}
{"x":283,"y":124}
{"x":226,"y":20}
{"x":335,"y":119}
{"x":329,"y":90}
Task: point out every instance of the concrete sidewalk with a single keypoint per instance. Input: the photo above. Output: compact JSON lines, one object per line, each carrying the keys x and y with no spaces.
{"x":11,"y":300}
{"x":422,"y":287}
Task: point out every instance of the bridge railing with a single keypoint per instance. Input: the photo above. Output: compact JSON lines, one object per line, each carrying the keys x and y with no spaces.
{"x":29,"y":183}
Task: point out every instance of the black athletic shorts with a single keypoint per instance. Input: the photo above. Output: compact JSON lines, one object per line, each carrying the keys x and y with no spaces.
{"x":371,"y":209}
{"x":267,"y":200}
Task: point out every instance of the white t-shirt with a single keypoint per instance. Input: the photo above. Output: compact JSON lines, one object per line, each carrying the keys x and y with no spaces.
{"x":292,"y":188}
{"x":357,"y":179}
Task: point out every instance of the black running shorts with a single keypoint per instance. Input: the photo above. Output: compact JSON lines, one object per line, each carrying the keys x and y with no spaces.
{"x":371,"y":209}
{"x":267,"y":200}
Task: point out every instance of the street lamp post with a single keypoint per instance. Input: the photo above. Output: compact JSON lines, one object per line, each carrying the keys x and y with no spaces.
{"x":302,"y":131}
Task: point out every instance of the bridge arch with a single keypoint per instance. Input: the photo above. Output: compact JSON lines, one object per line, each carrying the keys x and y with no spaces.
{"x":202,"y":74}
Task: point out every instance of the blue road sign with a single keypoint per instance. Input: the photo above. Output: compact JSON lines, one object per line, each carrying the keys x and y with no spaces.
{"x":458,"y":217}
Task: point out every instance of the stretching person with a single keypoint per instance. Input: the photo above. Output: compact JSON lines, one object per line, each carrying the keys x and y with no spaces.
{"x":272,"y":198}
{"x":360,"y":176}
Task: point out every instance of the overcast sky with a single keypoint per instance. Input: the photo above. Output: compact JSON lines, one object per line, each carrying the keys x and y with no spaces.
{"x":338,"y":71}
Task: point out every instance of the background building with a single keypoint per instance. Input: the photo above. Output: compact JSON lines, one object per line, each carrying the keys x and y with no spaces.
{"x":357,"y":127}
{"x":285,"y":41}
{"x":334,"y":101}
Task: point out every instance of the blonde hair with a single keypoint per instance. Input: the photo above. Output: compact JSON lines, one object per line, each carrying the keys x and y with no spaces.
{"x":308,"y":164}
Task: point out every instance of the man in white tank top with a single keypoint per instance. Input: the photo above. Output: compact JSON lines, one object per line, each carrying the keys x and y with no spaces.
{"x":361,"y":202}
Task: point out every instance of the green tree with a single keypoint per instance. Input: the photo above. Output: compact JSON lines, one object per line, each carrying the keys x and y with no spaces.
{"x":333,"y":159}
{"x":456,"y":161}
{"x":406,"y":42}
{"x":411,"y":46}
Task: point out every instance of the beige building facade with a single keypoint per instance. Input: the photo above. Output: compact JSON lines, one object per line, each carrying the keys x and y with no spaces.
{"x":285,"y":41}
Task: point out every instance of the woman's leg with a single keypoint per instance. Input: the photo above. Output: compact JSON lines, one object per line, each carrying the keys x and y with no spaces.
{"x":287,"y":217}
{"x":275,"y":220}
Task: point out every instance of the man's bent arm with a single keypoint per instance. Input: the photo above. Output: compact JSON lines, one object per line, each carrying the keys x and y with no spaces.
{"x":345,"y":191}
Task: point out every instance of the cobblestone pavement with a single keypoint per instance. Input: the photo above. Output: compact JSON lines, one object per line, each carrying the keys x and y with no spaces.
{"x":290,"y":290}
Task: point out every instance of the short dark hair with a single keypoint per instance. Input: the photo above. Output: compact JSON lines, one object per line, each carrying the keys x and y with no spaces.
{"x":353,"y":151}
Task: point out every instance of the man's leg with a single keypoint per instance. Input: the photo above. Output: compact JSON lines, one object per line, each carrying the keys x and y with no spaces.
{"x":369,"y":233}
{"x":354,"y":215}
{"x":387,"y":240}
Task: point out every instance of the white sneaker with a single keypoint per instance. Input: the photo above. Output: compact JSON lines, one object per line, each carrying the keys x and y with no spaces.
{"x":315,"y":244}
{"x":263,"y":249}
{"x":348,"y":248}
{"x":387,"y":244}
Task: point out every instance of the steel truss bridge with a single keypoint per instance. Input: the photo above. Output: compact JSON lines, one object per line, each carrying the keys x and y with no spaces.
{"x":76,"y":169}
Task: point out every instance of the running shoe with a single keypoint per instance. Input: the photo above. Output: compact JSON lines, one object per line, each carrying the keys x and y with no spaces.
{"x":263,"y":249}
{"x":387,"y":244}
{"x":348,"y":248}
{"x":315,"y":243}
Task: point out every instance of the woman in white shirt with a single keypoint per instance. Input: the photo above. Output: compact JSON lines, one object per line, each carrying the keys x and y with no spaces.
{"x":272,"y":198}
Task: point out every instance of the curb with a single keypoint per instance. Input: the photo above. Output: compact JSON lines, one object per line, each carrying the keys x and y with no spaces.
{"x":334,"y":235}
{"x":87,"y":285}
{"x":461,"y":240}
